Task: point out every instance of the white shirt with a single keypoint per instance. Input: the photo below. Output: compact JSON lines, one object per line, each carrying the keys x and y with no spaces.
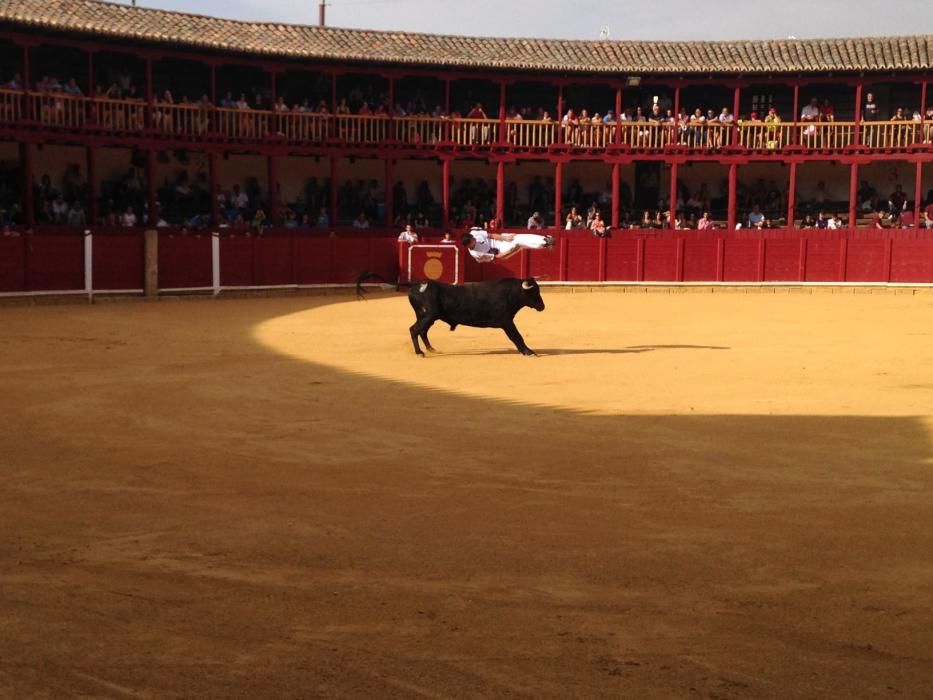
{"x":408,"y":237}
{"x":810,"y":112}
{"x":241,"y":200}
{"x":482,"y":251}
{"x":129,"y":219}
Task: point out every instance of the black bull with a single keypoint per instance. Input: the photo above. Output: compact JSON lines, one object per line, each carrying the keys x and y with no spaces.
{"x":480,"y":304}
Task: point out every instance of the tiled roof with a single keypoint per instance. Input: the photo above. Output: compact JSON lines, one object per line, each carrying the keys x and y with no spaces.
{"x":104,"y":19}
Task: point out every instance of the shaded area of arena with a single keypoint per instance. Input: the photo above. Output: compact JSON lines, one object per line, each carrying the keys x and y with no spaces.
{"x":187,"y":512}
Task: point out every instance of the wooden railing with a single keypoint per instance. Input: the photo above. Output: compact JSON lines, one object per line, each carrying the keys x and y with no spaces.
{"x":62,"y":111}
{"x":418,"y":131}
{"x":531,"y":134}
{"x":11,"y":105}
{"x":474,"y":132}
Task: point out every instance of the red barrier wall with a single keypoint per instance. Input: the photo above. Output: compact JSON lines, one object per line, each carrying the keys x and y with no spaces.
{"x":51,"y":260}
{"x":118,"y":261}
{"x":184,"y":260}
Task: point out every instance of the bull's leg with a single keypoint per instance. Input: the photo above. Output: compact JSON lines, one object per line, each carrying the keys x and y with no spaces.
{"x":427,"y":343}
{"x":420,"y":328}
{"x":516,"y":337}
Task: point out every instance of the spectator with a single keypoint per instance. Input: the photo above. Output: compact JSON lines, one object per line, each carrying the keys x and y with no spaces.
{"x":705,"y":223}
{"x":448,"y":238}
{"x":598,"y":226}
{"x":361,"y":221}
{"x":323,"y":220}
{"x":755,"y":218}
{"x":408,"y":235}
{"x":574,"y":220}
{"x":76,"y":215}
{"x":534,"y":222}
{"x":129,"y":218}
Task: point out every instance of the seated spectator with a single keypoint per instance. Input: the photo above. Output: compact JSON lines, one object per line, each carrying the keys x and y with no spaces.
{"x":76,"y":216}
{"x":259,"y":219}
{"x":421,"y":221}
{"x":408,"y":235}
{"x":906,"y":219}
{"x":821,"y":220}
{"x":755,"y":218}
{"x":448,"y":238}
{"x":574,"y":220}
{"x":835,"y":222}
{"x":808,"y":222}
{"x":129,"y":218}
{"x":598,"y":226}
{"x":361,"y":221}
{"x":827,"y":113}
{"x":16,"y":83}
{"x":877,"y":219}
{"x":705,"y":223}
{"x":811,"y":111}
{"x":897,"y":202}
{"x":535,"y":222}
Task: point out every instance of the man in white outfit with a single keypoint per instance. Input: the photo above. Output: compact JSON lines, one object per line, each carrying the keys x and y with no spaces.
{"x":487,"y":247}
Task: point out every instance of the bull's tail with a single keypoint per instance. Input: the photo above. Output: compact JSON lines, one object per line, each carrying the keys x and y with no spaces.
{"x":362,"y":277}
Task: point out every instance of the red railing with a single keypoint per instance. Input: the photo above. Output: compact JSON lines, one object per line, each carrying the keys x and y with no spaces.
{"x":192,"y":121}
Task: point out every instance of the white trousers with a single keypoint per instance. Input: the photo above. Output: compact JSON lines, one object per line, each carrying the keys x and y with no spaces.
{"x":531,"y":241}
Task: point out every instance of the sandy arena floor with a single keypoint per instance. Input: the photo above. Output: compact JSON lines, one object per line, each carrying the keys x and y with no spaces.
{"x":688,"y":495}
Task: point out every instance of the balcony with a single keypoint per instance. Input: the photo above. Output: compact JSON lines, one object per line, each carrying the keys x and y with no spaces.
{"x":204,"y":123}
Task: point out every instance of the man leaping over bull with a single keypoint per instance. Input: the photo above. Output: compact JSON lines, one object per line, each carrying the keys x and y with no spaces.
{"x":486,"y":247}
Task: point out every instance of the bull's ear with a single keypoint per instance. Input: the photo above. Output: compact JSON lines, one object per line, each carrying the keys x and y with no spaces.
{"x":528,"y":284}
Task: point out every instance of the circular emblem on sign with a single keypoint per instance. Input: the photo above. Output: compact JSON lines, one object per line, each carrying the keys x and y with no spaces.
{"x":433,"y":266}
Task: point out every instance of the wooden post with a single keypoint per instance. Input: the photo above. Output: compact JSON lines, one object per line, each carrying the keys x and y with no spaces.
{"x":733,"y":177}
{"x":857,"y":139}
{"x":795,"y":135}
{"x":500,"y":193}
{"x":150,"y":94}
{"x":558,"y":193}
{"x":213,"y":84}
{"x":445,"y":191}
{"x":151,"y":265}
{"x":333,"y":191}
{"x":27,"y":85}
{"x":673,"y":196}
{"x":736,"y":106}
{"x":274,"y":217}
{"x":853,"y":194}
{"x":213,"y":187}
{"x":91,"y":185}
{"x":617,"y":134}
{"x":152,"y":200}
{"x":29,"y":204}
{"x":389,"y":203}
{"x":616,"y":204}
{"x":503,"y":136}
{"x":560,"y":113}
{"x":918,"y":194}
{"x":791,"y":195}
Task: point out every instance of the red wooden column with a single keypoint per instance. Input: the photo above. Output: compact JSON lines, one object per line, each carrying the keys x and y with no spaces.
{"x":853,"y":194}
{"x":676,"y":101}
{"x":149,"y":92}
{"x":213,"y":84}
{"x":918,"y":193}
{"x":214,"y":187}
{"x":153,"y":202}
{"x":389,"y":204}
{"x":500,"y":193}
{"x":733,"y":178}
{"x":27,"y":84}
{"x":445,"y":192}
{"x":617,"y":136}
{"x":673,"y":197}
{"x":272,"y":173}
{"x":791,"y":195}
{"x":447,"y":134}
{"x":736,"y":105}
{"x":333,"y":191}
{"x":857,"y":138}
{"x":558,"y":193}
{"x":616,"y":208}
{"x":795,"y":136}
{"x":29,"y":204}
{"x":560,"y":113}
{"x":503,"y":136}
{"x":91,"y":170}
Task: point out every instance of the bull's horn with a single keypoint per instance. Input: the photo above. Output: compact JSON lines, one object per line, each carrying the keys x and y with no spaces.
{"x":527,"y":285}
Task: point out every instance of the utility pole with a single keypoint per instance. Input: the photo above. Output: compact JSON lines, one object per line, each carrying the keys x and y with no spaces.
{"x":322,"y":9}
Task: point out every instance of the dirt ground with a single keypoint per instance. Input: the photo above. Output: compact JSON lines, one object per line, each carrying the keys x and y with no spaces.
{"x":701,"y":495}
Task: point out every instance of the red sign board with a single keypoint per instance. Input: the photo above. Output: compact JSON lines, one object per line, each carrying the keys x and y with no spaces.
{"x":434,"y":262}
